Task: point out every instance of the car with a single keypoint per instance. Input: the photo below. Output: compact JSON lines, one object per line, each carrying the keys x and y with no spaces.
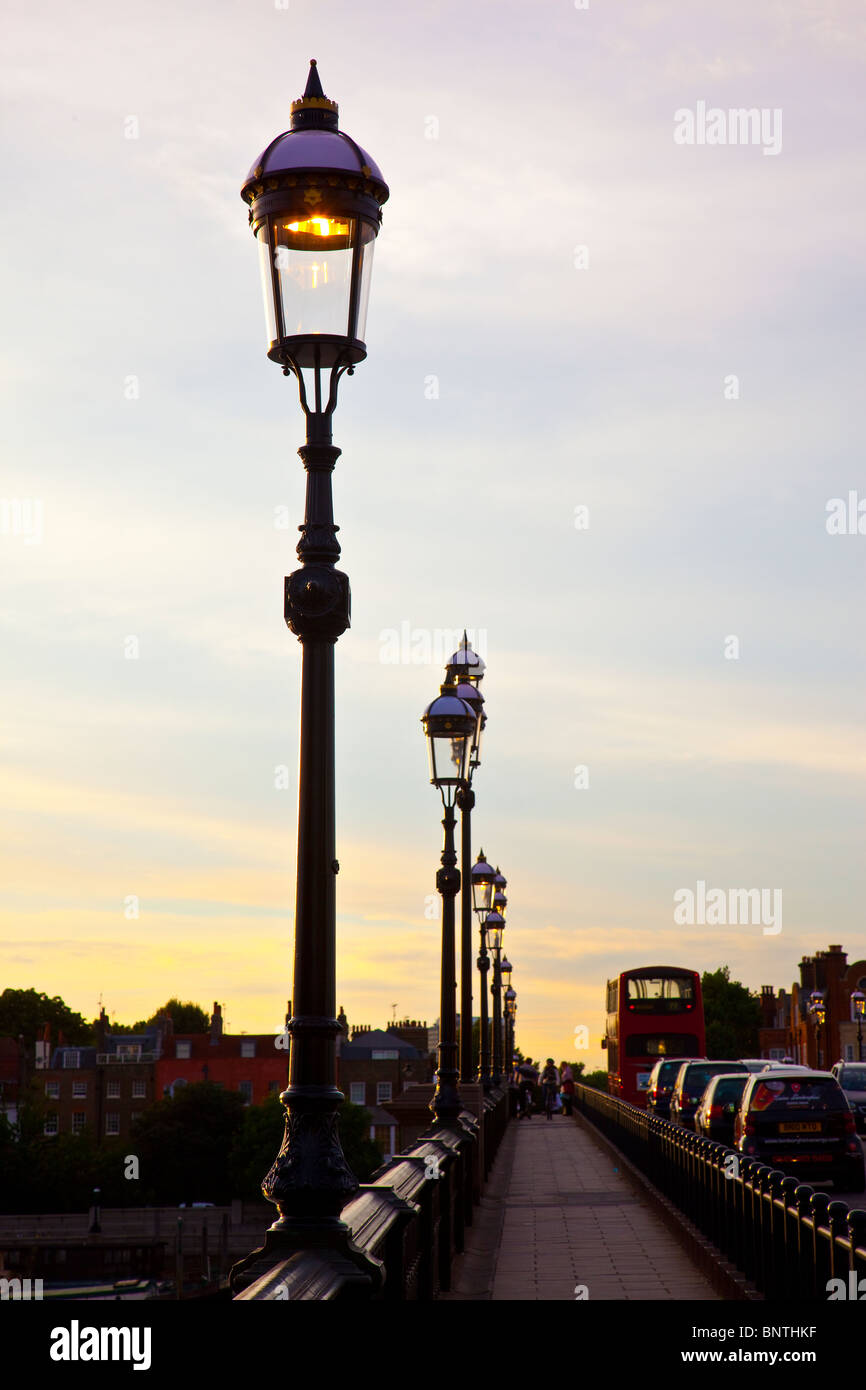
{"x":661,"y":1083}
{"x":691,"y":1083}
{"x":852,"y":1078}
{"x":754,"y":1063}
{"x":799,"y":1121}
{"x":717,"y":1108}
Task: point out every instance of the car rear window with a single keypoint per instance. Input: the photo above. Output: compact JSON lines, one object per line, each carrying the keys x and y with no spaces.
{"x":853,"y":1078}
{"x":790,"y":1093}
{"x":730,"y":1089}
{"x":697,"y":1076}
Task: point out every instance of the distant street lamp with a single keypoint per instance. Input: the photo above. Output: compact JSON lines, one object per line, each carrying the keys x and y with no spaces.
{"x":315,"y":202}
{"x":858,"y":999}
{"x":466,"y":670}
{"x":495,"y":925}
{"x":95,"y":1228}
{"x":818,"y":1010}
{"x":483,"y":877}
{"x":450,"y":725}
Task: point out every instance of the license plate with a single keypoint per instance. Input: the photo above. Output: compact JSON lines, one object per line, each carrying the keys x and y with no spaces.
{"x":814,"y":1128}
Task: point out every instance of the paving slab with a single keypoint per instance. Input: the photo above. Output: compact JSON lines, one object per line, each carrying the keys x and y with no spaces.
{"x":557,"y":1216}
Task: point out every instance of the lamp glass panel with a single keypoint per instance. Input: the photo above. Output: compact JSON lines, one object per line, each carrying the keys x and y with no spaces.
{"x":312,"y":258}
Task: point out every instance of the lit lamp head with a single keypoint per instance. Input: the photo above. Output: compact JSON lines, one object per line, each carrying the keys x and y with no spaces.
{"x":482,"y":875}
{"x":816,"y":1005}
{"x":500,"y":882}
{"x":464,"y":664}
{"x":500,"y":903}
{"x":315,"y":201}
{"x":449,"y":724}
{"x":494,"y":925}
{"x":858,"y":999}
{"x":506,"y":968}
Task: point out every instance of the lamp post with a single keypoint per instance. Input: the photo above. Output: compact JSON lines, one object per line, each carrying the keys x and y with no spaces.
{"x":466,"y":669}
{"x":506,"y":1014}
{"x":315,"y":210}
{"x":495,"y":926}
{"x":449,"y":724}
{"x":818,"y":1010}
{"x":483,"y":877}
{"x":858,"y":999}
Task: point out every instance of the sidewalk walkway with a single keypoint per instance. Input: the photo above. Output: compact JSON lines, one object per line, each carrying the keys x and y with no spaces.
{"x":558,"y":1217}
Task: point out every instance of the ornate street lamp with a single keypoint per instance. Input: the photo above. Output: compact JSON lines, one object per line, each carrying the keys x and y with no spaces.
{"x":465,"y":669}
{"x":818,"y":1010}
{"x":449,"y":724}
{"x":495,"y":926}
{"x":858,"y":999}
{"x":314,"y":200}
{"x":483,"y":877}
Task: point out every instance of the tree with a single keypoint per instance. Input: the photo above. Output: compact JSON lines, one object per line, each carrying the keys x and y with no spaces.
{"x":183,"y":1145}
{"x":732,"y":1016}
{"x":577,"y":1069}
{"x":26,"y":1011}
{"x":596,"y":1079}
{"x":186,"y":1017}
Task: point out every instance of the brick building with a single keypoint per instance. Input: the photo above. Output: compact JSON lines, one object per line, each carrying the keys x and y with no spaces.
{"x":103,"y":1088}
{"x":789,"y":1029}
{"x":251,"y":1063}
{"x":376,"y":1065}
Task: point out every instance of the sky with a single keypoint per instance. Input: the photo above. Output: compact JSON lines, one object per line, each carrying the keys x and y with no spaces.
{"x":614,"y":383}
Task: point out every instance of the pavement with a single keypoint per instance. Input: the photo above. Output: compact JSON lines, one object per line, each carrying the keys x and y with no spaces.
{"x":559,"y":1220}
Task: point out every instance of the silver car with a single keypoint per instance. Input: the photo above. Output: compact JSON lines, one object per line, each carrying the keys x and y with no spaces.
{"x":852,"y":1078}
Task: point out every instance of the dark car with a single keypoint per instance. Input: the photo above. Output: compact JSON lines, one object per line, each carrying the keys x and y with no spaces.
{"x":714,"y":1117}
{"x":661,"y":1083}
{"x":852,"y":1079}
{"x":690,"y":1085}
{"x":800,"y":1122}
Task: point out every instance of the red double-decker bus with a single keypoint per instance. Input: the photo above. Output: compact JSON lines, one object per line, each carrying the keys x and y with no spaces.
{"x":653,"y":1012}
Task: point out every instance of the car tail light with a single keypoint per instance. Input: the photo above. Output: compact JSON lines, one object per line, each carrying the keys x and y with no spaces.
{"x":716,"y":1112}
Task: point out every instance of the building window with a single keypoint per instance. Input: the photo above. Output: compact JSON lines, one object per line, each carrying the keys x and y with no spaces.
{"x":79,"y":1089}
{"x":849,"y":1052}
{"x":248,"y":1047}
{"x":52,"y":1090}
{"x":357,"y":1092}
{"x":129,"y":1051}
{"x":383,"y":1092}
{"x":273,"y":1088}
{"x":79,"y":1120}
{"x":139,"y":1090}
{"x":71,"y":1059}
{"x":136,"y":1115}
{"x":379,"y":1056}
{"x":112,"y":1090}
{"x":112,"y":1123}
{"x":52,"y":1125}
{"x":246,"y":1090}
{"x":183,"y":1050}
{"x":776,"y":1054}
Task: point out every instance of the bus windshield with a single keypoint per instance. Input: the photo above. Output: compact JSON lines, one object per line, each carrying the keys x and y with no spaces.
{"x":660,"y":994}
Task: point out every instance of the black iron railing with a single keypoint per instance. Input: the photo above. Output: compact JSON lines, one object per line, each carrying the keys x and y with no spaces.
{"x":785,"y":1238}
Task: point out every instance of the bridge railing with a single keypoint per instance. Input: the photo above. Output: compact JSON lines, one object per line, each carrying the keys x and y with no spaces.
{"x":784,"y":1237}
{"x":407,"y":1226}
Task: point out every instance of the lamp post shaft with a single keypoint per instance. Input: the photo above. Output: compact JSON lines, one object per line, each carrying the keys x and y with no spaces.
{"x":310,"y":1180}
{"x":484,"y":1057}
{"x":497,"y":1020}
{"x":466,"y":802}
{"x":446,"y":1104}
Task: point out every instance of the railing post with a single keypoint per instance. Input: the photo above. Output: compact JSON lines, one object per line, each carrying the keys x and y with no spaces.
{"x":821,"y":1253}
